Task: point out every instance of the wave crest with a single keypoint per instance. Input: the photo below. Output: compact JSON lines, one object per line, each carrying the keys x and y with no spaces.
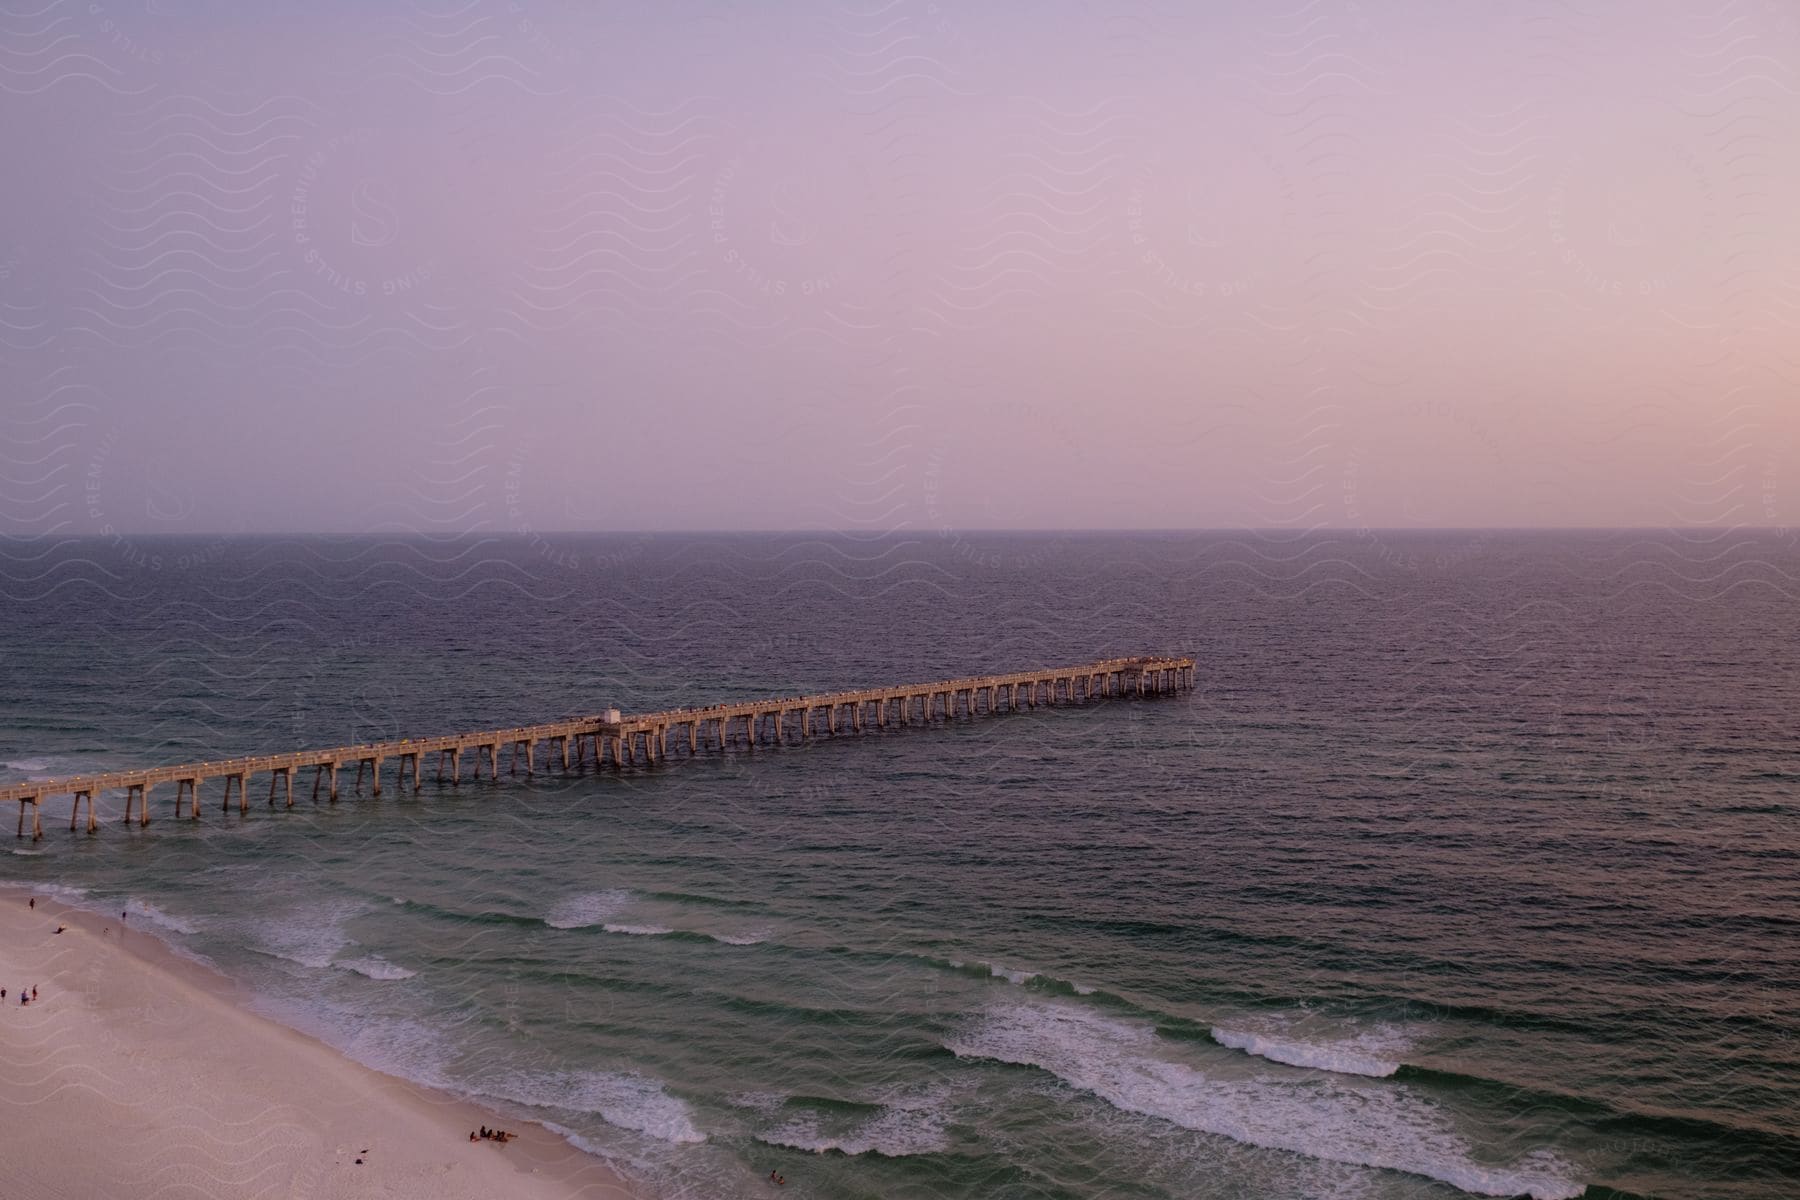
{"x":587,"y":908}
{"x":893,"y":1133}
{"x":1323,"y":1117}
{"x":374,"y":967}
{"x":1360,"y":1055}
{"x":627,"y":1101}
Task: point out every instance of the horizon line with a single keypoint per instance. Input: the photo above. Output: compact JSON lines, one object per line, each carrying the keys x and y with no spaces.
{"x":921,"y":535}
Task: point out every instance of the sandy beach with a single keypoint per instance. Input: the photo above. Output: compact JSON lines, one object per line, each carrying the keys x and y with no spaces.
{"x":137,"y":1073}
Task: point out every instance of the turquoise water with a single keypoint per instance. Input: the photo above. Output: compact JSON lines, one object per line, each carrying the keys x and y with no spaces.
{"x":1469,"y":868}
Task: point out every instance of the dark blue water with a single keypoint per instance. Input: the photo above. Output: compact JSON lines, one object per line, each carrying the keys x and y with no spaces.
{"x":1471,"y":866}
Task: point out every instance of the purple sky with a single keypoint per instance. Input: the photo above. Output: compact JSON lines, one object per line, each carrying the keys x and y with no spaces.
{"x":898,"y":265}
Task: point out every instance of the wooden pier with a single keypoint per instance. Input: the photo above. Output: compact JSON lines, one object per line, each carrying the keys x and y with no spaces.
{"x":605,"y":738}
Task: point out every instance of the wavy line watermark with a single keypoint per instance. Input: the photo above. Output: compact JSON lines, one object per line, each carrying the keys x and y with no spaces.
{"x":782,"y":221}
{"x":544,"y":518}
{"x":354,"y":230}
{"x":162,"y":503}
{"x":981,"y":484}
{"x":1187,"y":231}
{"x":1609,"y":234}
{"x":1453,"y":426}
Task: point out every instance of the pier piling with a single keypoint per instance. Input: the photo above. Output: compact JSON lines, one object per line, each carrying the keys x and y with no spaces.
{"x":616,"y":737}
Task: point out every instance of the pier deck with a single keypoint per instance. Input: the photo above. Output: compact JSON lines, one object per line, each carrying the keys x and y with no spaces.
{"x":608,"y":737}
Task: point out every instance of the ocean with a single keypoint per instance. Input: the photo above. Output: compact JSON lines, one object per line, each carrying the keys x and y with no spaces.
{"x":1470,"y":867}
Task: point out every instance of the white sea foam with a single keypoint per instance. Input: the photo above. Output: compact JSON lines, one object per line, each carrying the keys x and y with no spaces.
{"x":1322,"y":1116}
{"x":639,"y":930}
{"x":995,"y":971}
{"x":412,"y":1049}
{"x":374,"y":967}
{"x":308,"y":937}
{"x":586,"y":908}
{"x":145,"y":911}
{"x":37,"y":767}
{"x":1370,"y":1053}
{"x":628,"y":1101}
{"x":762,"y":1102}
{"x":610,"y":1154}
{"x":891,"y":1133}
{"x":1021,"y":977}
{"x":421,"y":1050}
{"x":751,"y":938}
{"x":68,"y":893}
{"x":409,"y":1048}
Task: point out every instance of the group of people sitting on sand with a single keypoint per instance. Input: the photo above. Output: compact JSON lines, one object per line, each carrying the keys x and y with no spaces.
{"x":26,"y":995}
{"x":492,"y":1135}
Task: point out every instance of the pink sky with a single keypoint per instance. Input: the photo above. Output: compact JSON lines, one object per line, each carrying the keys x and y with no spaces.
{"x":516,"y":265}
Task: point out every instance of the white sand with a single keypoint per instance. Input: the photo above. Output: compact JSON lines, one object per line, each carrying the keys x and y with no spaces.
{"x":138,"y":1074}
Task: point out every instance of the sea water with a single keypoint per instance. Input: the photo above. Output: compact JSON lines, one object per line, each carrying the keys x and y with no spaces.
{"x":1471,"y":867}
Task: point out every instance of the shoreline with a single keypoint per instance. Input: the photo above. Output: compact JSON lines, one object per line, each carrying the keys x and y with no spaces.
{"x":138,"y":1066}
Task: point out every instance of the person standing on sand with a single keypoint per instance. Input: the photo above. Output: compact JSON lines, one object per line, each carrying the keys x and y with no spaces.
{"x":32,"y":902}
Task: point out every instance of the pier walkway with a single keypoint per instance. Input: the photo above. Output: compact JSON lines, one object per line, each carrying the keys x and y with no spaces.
{"x":608,"y":737}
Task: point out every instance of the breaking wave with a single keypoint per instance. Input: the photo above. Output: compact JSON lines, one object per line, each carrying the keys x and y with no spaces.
{"x":1320,"y":1116}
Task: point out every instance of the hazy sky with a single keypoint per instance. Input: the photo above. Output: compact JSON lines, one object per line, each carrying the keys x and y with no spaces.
{"x":897,"y":264}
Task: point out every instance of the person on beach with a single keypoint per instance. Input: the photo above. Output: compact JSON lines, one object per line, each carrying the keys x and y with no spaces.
{"x":34,"y":991}
{"x":32,"y":902}
{"x":472,"y":1136}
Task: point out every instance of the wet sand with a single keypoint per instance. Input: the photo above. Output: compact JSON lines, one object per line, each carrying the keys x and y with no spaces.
{"x":137,"y":1072}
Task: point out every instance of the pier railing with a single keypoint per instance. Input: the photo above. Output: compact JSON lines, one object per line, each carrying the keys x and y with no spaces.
{"x":610,"y":737}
